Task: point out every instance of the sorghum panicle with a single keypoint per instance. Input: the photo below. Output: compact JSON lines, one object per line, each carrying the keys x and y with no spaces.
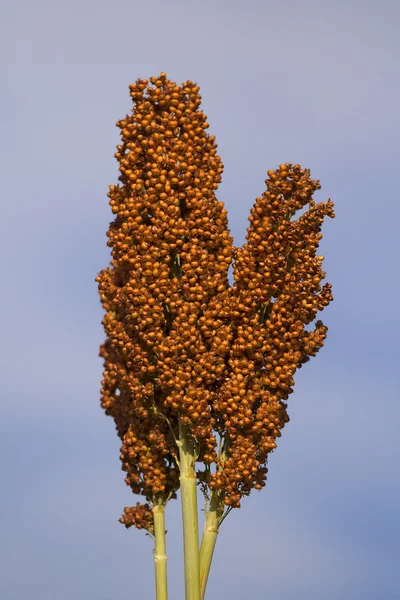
{"x":276,"y":293}
{"x":171,"y":252}
{"x":182,"y":344}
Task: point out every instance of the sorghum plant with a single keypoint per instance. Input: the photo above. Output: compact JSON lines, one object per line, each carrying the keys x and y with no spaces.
{"x":197,"y":372}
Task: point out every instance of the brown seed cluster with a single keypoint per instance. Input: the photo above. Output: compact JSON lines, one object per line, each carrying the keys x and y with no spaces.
{"x":277,"y":292}
{"x":182,"y":344}
{"x":140,"y":516}
{"x":171,"y":252}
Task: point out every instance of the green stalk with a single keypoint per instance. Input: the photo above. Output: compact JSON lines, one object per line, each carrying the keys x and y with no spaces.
{"x":210,"y":534}
{"x":187,"y":458}
{"x":160,"y":554}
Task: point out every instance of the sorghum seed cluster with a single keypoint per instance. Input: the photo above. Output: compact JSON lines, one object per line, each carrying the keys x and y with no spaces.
{"x":276,"y":293}
{"x":182,"y":344}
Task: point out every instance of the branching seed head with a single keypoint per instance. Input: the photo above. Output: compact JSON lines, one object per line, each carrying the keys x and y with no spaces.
{"x":183,"y":345}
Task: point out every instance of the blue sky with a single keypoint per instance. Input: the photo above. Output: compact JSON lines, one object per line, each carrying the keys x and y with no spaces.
{"x":310,"y":82}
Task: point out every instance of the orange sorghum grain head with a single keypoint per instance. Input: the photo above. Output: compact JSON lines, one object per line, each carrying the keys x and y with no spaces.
{"x":171,"y":251}
{"x":182,"y":344}
{"x":276,"y":293}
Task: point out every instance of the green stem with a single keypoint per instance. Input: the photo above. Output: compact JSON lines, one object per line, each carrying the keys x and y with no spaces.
{"x":210,"y":534}
{"x":187,"y":458}
{"x":160,"y":554}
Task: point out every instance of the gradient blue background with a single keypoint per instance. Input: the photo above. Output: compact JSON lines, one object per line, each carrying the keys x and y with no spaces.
{"x":309,"y":82}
